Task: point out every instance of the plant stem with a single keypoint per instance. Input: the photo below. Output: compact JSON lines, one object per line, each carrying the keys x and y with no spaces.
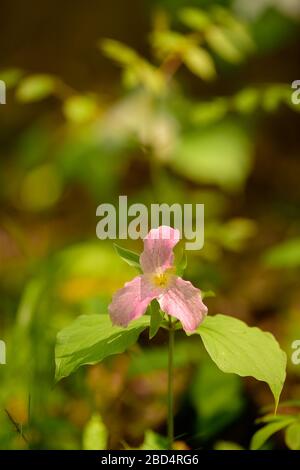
{"x":170,"y":386}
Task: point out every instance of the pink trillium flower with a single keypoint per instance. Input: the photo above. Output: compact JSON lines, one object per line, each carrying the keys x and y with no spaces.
{"x":176,"y":297}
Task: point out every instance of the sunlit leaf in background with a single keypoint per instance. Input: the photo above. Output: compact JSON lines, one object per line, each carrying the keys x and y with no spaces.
{"x":136,"y":117}
{"x":209,"y":112}
{"x":207,"y":293}
{"x":199,"y":61}
{"x":235,"y":234}
{"x":247,"y":100}
{"x":80,"y":109}
{"x":143,"y":71}
{"x":119,"y":52}
{"x":11,"y":77}
{"x":36,"y":88}
{"x":292,"y":436}
{"x":41,"y":188}
{"x":263,"y":434}
{"x":222,"y":44}
{"x":151,"y":77}
{"x":220,"y":154}
{"x":195,"y":18}
{"x":95,"y":434}
{"x":85,"y":270}
{"x":274,"y":95}
{"x":153,"y":441}
{"x":227,"y":445}
{"x":238,"y":29}
{"x":284,"y":255}
{"x":168,"y":43}
{"x":130,"y":78}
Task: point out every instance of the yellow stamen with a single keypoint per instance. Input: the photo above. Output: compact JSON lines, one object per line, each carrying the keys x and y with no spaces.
{"x":163,"y":280}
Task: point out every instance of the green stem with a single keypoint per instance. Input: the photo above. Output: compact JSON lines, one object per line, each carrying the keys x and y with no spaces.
{"x":170,"y":386}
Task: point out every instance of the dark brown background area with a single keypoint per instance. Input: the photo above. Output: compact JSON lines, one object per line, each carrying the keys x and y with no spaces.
{"x":60,"y":37}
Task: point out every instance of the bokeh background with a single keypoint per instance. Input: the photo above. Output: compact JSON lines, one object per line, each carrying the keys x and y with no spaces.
{"x":79,"y":129}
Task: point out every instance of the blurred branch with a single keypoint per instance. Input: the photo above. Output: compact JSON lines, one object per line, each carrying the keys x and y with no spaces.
{"x":18,"y":427}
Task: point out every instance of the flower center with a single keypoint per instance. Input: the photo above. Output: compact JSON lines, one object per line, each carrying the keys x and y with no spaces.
{"x":162,"y":280}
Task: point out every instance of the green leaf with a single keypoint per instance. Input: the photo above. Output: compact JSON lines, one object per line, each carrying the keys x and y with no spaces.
{"x":92,"y":260}
{"x":155,"y":319}
{"x":80,"y":109}
{"x":181,"y":265}
{"x":227,"y":445}
{"x":36,"y":88}
{"x":236,"y":348}
{"x":284,"y":255}
{"x":274,"y":95}
{"x":169,"y":43}
{"x":150,"y":76}
{"x":271,"y":418}
{"x":95,"y":434}
{"x":41,"y":188}
{"x":130,"y":257}
{"x":207,"y":293}
{"x":261,"y":436}
{"x":199,"y":62}
{"x":219,"y":154}
{"x":235,"y":233}
{"x":247,"y":100}
{"x":239,"y":31}
{"x":11,"y":77}
{"x":292,"y":436}
{"x":138,"y":70}
{"x":194,"y":18}
{"x":221,"y":42}
{"x":119,"y":52}
{"x":153,"y":441}
{"x":92,"y":338}
{"x":210,"y":112}
{"x":130,"y":78}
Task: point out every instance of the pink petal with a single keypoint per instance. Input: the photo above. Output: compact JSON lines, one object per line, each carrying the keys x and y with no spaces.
{"x":183,"y":301}
{"x":131,"y":301}
{"x":158,"y":249}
